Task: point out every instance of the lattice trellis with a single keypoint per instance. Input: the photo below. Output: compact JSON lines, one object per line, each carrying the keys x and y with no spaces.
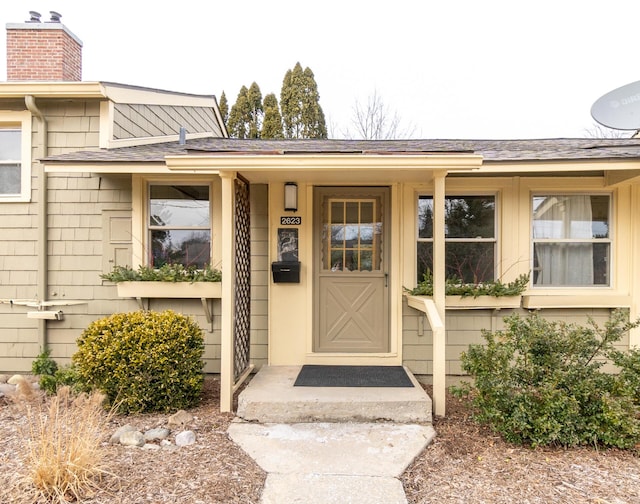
{"x":242,"y":301}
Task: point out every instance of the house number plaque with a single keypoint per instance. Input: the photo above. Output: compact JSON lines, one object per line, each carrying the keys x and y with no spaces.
{"x":291,"y":221}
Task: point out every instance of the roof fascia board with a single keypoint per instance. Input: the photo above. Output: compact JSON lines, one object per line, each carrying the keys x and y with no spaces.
{"x":41,"y":89}
{"x":118,"y":93}
{"x":109,"y":168}
{"x":121,"y":93}
{"x":542,"y":166}
{"x":327,"y":162}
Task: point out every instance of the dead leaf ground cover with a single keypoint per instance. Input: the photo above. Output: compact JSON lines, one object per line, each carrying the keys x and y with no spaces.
{"x":467,"y":463}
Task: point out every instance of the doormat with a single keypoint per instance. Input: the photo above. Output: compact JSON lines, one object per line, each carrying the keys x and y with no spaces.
{"x":352,"y":376}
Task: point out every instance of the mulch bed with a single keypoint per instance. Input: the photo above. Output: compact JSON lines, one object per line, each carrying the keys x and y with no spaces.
{"x":214,"y":470}
{"x":468,"y":463}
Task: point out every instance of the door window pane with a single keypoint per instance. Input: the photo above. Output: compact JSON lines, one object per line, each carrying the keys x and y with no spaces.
{"x":354,"y":241}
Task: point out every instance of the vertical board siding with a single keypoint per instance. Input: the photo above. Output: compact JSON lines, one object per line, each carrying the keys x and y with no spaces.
{"x":259,"y":274}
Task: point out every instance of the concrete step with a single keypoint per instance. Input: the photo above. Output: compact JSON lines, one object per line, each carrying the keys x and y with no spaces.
{"x":271,"y":397}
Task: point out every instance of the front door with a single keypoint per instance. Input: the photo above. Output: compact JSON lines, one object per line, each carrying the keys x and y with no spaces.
{"x":351,"y":300}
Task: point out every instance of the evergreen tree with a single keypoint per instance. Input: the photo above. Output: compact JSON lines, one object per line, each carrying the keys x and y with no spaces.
{"x":245,"y":118}
{"x":300,"y":104}
{"x":256,"y":111}
{"x":272,"y":123}
{"x":224,"y":108}
{"x":239,"y":116}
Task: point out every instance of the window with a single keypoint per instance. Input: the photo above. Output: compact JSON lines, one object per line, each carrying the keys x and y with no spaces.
{"x":179,"y":225}
{"x":470,"y":237}
{"x":15,"y":156}
{"x":10,"y":162}
{"x":571,"y":240}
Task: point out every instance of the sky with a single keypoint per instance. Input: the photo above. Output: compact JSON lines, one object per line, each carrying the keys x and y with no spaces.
{"x":448,"y":69}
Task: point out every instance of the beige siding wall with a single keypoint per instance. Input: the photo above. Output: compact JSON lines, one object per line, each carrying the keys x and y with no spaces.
{"x":77,"y":206}
{"x":259,"y":274}
{"x":73,"y":204}
{"x":464,"y":327}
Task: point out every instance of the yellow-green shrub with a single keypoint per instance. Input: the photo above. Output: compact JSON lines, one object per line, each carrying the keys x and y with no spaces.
{"x":143,"y":361}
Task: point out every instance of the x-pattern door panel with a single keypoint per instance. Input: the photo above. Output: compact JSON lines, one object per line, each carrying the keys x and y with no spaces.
{"x":351,"y":300}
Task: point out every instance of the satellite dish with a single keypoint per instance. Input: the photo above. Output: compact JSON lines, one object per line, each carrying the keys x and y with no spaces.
{"x":620,"y":108}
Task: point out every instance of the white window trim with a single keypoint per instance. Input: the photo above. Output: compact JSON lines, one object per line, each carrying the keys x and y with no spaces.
{"x":140,"y":213}
{"x":21,"y":120}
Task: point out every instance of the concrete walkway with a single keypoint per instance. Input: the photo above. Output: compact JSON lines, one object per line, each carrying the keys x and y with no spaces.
{"x":326,"y":463}
{"x":331,"y":445}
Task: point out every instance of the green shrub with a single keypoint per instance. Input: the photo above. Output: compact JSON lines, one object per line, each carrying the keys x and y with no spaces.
{"x":64,"y":376}
{"x":143,"y":361}
{"x":44,"y":364}
{"x":48,"y":383}
{"x":540,"y":382}
{"x":453,"y":286}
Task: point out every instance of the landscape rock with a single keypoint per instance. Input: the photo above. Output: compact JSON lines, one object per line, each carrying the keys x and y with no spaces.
{"x":165,"y":442}
{"x":185,"y":438}
{"x":180,"y":419}
{"x":132,"y":438}
{"x":156,"y":434}
{"x":7,"y":389}
{"x":4,"y":378}
{"x":150,"y":447}
{"x":15,"y":379}
{"x":115,"y":438}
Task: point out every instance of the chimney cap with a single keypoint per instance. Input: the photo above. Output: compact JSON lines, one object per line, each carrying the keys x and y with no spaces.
{"x":55,"y":16}
{"x":34,"y":17}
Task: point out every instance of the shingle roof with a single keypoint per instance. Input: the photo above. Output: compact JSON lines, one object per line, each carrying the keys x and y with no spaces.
{"x":561,"y":149}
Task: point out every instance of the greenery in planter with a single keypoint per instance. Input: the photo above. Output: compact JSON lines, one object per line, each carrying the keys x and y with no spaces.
{"x":143,"y":361}
{"x":541,"y":382}
{"x":165,"y":273}
{"x":455,"y":287}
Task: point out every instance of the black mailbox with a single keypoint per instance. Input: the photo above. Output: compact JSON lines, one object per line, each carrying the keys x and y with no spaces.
{"x":286,"y":271}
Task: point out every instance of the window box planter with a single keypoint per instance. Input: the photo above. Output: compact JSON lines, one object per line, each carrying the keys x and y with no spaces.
{"x":481,"y":302}
{"x":172,"y":290}
{"x":472,"y":303}
{"x":143,"y":291}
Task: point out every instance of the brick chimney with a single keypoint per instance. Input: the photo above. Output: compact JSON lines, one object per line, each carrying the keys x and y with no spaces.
{"x":43,"y":51}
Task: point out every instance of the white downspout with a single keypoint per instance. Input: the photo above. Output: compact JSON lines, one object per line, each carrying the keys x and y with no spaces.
{"x":41,"y":247}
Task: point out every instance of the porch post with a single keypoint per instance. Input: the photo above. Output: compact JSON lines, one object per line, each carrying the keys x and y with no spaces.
{"x":439,"y":337}
{"x":227,"y":301}
{"x":634,"y":312}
